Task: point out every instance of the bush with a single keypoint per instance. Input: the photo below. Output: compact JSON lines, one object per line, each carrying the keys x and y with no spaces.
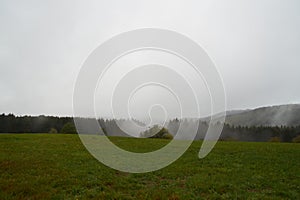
{"x":275,"y":139}
{"x":296,"y":139}
{"x":168,"y":136}
{"x":53,"y":131}
{"x":157,"y":132}
{"x":68,"y":128}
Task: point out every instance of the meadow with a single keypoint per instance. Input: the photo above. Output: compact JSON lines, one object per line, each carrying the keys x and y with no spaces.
{"x":57,"y":166}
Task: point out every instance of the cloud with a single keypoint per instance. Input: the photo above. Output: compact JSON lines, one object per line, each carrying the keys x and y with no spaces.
{"x":255,"y":45}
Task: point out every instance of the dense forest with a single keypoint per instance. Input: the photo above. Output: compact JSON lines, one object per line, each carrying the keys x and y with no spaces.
{"x":242,"y":133}
{"x":10,"y":123}
{"x":31,"y":124}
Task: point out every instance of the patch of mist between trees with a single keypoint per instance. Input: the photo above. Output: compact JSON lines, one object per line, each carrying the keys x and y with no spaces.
{"x":109,"y":127}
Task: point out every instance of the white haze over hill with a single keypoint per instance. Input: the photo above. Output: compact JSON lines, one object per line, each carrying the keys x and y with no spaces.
{"x":254,"y":43}
{"x":284,"y":115}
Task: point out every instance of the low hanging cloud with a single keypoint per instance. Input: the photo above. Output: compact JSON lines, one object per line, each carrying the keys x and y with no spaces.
{"x":255,"y":45}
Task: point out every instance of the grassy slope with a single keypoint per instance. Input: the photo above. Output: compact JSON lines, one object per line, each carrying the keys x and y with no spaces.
{"x":58,"y":167}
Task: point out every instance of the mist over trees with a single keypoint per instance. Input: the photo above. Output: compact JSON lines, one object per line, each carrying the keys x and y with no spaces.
{"x":48,"y":124}
{"x":240,"y":133}
{"x":286,"y":115}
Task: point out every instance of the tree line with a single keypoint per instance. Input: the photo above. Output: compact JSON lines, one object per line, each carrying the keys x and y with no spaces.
{"x":10,"y":123}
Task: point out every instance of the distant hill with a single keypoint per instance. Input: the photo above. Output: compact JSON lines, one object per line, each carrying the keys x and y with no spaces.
{"x":282,"y":115}
{"x":257,"y":125}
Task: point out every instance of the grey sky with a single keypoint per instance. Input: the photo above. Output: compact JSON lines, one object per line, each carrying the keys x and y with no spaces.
{"x":255,"y":45}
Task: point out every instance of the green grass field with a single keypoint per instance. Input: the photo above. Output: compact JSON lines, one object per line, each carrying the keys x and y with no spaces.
{"x":44,"y":166}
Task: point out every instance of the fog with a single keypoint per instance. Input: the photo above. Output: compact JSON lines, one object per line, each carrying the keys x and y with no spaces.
{"x":43,"y":44}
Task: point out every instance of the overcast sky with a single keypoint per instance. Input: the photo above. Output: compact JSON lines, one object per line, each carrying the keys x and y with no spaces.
{"x":255,"y":45}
